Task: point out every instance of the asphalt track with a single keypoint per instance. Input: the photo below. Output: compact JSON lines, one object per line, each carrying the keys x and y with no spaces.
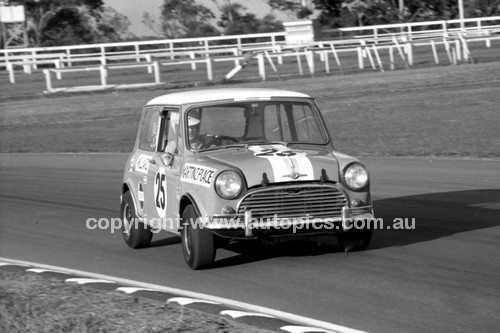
{"x":443,"y":275}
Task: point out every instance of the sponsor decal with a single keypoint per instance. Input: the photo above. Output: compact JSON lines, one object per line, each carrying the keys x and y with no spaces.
{"x":160,"y":192}
{"x":140,"y":196}
{"x":142,"y":164}
{"x":197,"y":174}
{"x":287,"y":164}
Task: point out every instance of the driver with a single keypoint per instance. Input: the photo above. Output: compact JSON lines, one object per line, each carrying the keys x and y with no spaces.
{"x":194,"y":139}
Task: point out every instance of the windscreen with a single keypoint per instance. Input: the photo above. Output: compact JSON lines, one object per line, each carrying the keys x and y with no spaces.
{"x":263,"y":122}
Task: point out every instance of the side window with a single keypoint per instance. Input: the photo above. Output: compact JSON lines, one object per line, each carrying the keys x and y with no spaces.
{"x":276,"y":123}
{"x":150,"y":130}
{"x":170,"y":139}
{"x":307,"y":125}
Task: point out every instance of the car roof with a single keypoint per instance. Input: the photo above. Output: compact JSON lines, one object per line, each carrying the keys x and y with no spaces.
{"x":211,"y":95}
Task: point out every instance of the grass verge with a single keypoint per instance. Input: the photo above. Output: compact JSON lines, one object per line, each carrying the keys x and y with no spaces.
{"x":444,"y":111}
{"x":33,"y":303}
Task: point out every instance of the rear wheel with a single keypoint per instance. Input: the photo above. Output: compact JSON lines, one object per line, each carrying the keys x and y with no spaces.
{"x":355,"y":241}
{"x":198,"y":244}
{"x":136,"y":234}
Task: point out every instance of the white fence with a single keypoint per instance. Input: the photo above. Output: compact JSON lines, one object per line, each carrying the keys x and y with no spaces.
{"x":365,"y":43}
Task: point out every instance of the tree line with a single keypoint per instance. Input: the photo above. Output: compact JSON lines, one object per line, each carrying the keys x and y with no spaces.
{"x":73,"y":22}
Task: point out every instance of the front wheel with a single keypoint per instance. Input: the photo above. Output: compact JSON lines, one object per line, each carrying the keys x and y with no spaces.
{"x":355,"y":241}
{"x":136,"y":234}
{"x":198,"y":244}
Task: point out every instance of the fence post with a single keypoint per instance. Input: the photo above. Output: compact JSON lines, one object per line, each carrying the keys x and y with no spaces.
{"x":171,"y":50}
{"x":458,"y":49}
{"x":33,"y":53}
{"x":434,"y":52}
{"x":57,"y":64}
{"x":262,"y":66}
{"x":157,"y":72}
{"x":210,"y":74}
{"x":10,"y":69}
{"x":337,"y":60}
{"x":391,"y":57}
{"x":370,"y":57}
{"x":401,"y":53}
{"x":268,"y":57}
{"x":408,"y":50}
{"x":68,"y":56}
{"x":299,"y":62}
{"x":278,"y":50}
{"x":192,"y":56}
{"x":377,"y":56}
{"x":47,"y":80}
{"x":137,"y":52}
{"x":236,"y":53}
{"x":325,"y":59}
{"x":104,"y":74}
{"x":310,"y":60}
{"x":361,"y":62}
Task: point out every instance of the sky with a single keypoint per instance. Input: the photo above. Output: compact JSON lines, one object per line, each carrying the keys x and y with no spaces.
{"x":134,"y":9}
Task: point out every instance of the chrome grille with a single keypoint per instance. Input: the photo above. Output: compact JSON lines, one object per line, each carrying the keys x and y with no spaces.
{"x":314,"y":201}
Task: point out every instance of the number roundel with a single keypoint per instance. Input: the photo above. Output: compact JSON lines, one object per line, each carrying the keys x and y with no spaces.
{"x":160,"y":190}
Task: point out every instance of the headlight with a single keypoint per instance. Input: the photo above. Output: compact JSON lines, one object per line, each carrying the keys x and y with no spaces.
{"x":228,"y":184}
{"x":355,"y":176}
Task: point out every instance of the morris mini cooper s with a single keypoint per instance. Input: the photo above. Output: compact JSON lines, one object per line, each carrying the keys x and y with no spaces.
{"x":233,"y":164}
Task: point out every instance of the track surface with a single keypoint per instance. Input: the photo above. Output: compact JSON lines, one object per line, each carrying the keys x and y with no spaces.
{"x":442,"y":276}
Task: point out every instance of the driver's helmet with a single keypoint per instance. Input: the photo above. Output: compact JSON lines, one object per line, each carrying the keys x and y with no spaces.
{"x":193,"y":120}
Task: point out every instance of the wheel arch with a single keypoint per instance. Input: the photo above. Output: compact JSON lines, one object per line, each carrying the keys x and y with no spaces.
{"x":126,"y":188}
{"x":186,"y":200}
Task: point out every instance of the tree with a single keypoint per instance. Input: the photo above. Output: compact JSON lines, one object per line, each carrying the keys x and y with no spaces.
{"x":373,"y":12}
{"x":186,"y":18}
{"x":112,"y":26}
{"x":66,"y":22}
{"x":68,"y":26}
{"x":234,"y":20}
{"x":296,"y":8}
{"x":479,"y":8}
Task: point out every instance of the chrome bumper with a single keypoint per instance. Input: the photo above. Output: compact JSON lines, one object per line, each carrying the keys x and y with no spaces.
{"x":248,"y":223}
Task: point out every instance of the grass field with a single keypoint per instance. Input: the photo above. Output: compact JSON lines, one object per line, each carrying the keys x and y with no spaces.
{"x":441,"y":111}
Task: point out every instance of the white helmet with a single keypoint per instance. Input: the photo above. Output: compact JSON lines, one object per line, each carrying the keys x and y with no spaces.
{"x":193,"y":120}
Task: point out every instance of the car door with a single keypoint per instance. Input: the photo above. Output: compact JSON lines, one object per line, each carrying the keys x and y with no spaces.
{"x":163,"y":172}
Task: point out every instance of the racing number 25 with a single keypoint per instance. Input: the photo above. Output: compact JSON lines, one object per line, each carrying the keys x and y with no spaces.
{"x":160,"y":192}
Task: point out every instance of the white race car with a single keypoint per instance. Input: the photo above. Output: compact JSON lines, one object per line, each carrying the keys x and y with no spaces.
{"x":241,"y":163}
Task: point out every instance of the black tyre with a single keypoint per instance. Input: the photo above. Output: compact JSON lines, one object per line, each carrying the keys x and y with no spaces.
{"x":136,"y":234}
{"x":198,"y":244}
{"x":355,"y":241}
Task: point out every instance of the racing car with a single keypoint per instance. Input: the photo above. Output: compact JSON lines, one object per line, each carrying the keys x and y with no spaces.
{"x":215,"y":165}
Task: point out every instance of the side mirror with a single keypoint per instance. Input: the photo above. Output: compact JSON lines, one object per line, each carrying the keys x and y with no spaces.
{"x":167,"y":159}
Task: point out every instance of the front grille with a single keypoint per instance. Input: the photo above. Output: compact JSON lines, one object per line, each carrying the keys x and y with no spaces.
{"x":297,"y":201}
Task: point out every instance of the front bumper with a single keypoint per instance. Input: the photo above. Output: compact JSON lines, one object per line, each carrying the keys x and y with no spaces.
{"x":246,"y":226}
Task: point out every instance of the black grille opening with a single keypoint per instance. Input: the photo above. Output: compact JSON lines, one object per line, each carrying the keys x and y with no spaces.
{"x":313,"y":201}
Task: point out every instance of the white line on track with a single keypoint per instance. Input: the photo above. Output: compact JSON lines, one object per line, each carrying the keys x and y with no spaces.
{"x":238,"y":314}
{"x":40,"y":270}
{"x":309,"y":323}
{"x":131,"y":290}
{"x":186,"y":300}
{"x":87,"y":280}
